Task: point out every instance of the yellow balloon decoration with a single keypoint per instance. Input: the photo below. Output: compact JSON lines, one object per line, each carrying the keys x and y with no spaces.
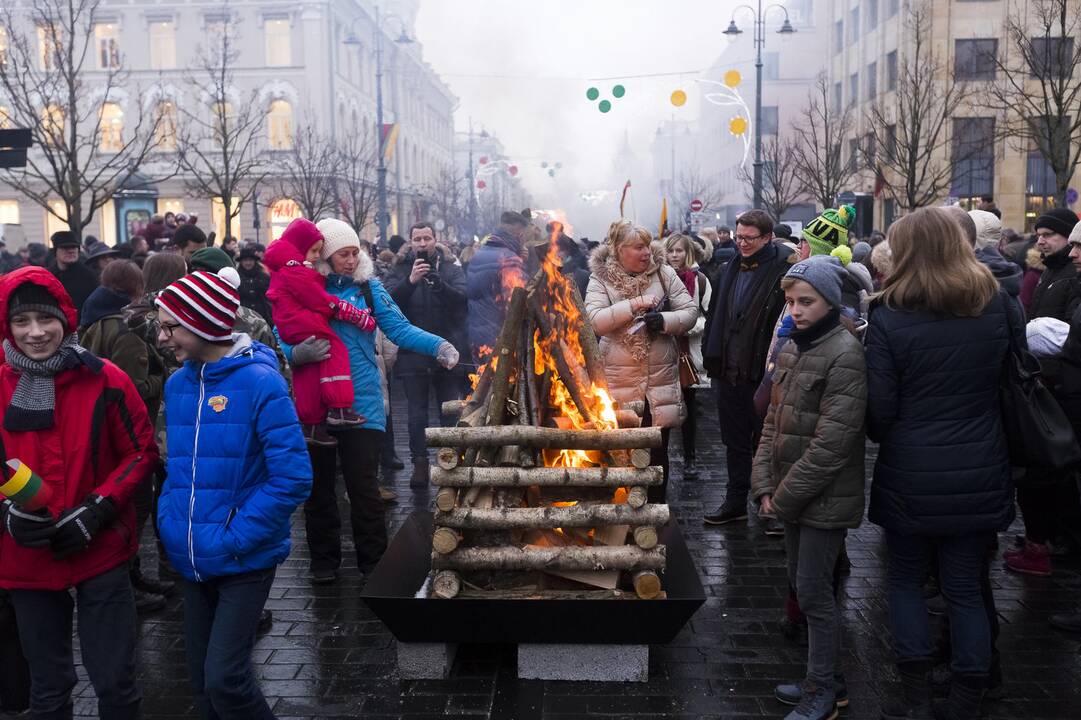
{"x":737,"y":125}
{"x":679,"y":98}
{"x":732,"y":78}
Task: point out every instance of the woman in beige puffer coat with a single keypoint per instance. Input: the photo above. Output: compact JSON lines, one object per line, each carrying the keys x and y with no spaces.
{"x":630,"y":276}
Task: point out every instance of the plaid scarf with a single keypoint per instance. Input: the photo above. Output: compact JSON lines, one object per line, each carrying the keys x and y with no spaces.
{"x":34,"y":399}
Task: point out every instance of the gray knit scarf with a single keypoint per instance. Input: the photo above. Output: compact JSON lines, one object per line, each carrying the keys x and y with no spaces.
{"x":34,"y":400}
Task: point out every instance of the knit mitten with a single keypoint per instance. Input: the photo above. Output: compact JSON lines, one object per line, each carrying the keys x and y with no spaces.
{"x":355,"y":316}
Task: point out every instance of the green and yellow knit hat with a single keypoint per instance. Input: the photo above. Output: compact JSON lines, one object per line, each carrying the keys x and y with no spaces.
{"x":827,"y":234}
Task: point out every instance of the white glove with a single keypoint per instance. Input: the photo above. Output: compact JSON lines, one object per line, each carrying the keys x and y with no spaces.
{"x":447,"y":356}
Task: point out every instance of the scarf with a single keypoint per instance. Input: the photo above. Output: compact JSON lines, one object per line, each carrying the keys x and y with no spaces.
{"x":34,"y":400}
{"x":688,"y":276}
{"x":630,"y":286}
{"x":805,"y":338}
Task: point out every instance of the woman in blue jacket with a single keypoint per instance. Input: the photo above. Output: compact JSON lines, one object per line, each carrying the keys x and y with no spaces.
{"x":351,"y":277}
{"x":936,"y":343}
{"x":237,"y":469}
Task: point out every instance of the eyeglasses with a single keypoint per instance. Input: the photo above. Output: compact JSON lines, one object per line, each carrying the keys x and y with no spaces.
{"x":746,"y":239}
{"x":168,"y":328}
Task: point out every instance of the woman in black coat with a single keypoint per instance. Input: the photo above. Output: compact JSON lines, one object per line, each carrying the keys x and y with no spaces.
{"x":936,"y":343}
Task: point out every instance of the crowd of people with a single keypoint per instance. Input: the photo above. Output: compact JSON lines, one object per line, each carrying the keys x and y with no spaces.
{"x":214,"y":390}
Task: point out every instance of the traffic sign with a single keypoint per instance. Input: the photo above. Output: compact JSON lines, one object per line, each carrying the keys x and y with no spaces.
{"x":696,"y":205}
{"x":700,"y":220}
{"x":1071,"y":196}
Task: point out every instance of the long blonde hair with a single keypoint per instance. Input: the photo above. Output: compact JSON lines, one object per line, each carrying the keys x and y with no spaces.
{"x":690,"y":257}
{"x":934,"y":267}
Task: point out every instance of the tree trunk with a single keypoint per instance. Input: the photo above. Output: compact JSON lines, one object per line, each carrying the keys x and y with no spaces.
{"x":552,"y":517}
{"x":608,"y":477}
{"x":624,"y":557}
{"x":545,"y":438}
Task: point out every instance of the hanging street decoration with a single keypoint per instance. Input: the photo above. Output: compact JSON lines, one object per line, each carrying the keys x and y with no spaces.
{"x":679,"y":98}
{"x":593,"y":93}
{"x":727,"y":94}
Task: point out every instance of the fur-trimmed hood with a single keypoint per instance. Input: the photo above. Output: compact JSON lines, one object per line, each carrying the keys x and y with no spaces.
{"x":1034,"y":260}
{"x":605,"y":266}
{"x":365,"y":268}
{"x":405,"y":253}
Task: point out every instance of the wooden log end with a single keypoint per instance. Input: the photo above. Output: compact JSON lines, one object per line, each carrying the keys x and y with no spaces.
{"x":640,"y":458}
{"x":645,"y":537}
{"x":647,"y":585}
{"x":637,"y":497}
{"x":445,"y":540}
{"x":447,"y":458}
{"x":446,"y":585}
{"x":446,"y":499}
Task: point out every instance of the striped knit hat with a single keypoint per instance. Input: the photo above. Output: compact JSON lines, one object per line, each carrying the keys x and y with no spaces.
{"x":204,"y":303}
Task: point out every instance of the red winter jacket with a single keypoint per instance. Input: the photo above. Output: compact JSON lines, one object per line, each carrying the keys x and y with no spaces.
{"x":102,"y":443}
{"x":299,"y":302}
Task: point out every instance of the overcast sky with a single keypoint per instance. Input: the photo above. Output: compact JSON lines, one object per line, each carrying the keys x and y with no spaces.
{"x":521,"y":69}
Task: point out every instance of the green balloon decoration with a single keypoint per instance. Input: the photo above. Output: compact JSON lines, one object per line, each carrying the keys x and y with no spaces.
{"x":604,"y":106}
{"x":593,"y":93}
{"x":619,"y":91}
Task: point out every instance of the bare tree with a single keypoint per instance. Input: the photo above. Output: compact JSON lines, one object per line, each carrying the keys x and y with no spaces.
{"x":448,"y":192}
{"x":781,"y":186}
{"x":222,"y":137}
{"x":819,"y":138}
{"x":1036,"y":81}
{"x":692,"y":185}
{"x":911,"y":130}
{"x":356,"y":186}
{"x":308,"y":173}
{"x":68,"y":92}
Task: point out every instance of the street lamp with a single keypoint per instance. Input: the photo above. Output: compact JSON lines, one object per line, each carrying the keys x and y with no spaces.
{"x":381,"y":167}
{"x":759,"y":42}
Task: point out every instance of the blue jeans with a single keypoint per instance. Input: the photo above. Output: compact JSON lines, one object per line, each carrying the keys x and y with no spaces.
{"x":220,"y":618}
{"x":106,"y":637}
{"x":960,"y":562}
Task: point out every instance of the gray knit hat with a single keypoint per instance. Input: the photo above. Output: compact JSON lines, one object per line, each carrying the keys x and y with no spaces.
{"x":31,"y":297}
{"x":824,"y":273}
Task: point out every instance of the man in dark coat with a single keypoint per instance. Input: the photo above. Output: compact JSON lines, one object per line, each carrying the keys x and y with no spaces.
{"x":496,"y":268}
{"x":254,"y":282}
{"x":77,"y":279}
{"x":430,"y":289}
{"x":1056,"y":293}
{"x":739,"y":329}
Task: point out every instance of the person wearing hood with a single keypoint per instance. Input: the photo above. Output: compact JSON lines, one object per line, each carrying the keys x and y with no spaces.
{"x":78,"y":280}
{"x":350,"y":278}
{"x":237,"y":469}
{"x":84,"y":445}
{"x":1056,"y":293}
{"x":254,"y":283}
{"x":302,"y":309}
{"x":98,"y":257}
{"x":494,"y":270}
{"x":638,"y":306}
{"x":988,"y":237}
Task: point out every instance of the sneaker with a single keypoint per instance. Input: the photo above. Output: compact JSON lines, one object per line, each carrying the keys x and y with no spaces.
{"x":791,"y":694}
{"x":266,"y":621}
{"x":815,"y":703}
{"x":154,"y":587}
{"x":774,"y":527}
{"x":324,"y":577}
{"x":1035,"y":559}
{"x":342,"y":416}
{"x":727,"y":513}
{"x":387,"y":495}
{"x":690,"y":470}
{"x":318,"y":435}
{"x":148,"y":602}
{"x":394,"y":463}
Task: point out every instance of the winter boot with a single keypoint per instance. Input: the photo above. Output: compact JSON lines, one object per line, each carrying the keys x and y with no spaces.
{"x":915,"y":700}
{"x":815,"y":703}
{"x":1034,"y":559}
{"x":419,"y":478}
{"x":318,"y":435}
{"x":966,"y":694}
{"x":792,"y":694}
{"x":342,"y":417}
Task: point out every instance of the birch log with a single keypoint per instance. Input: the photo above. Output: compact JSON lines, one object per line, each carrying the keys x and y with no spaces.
{"x":547,"y":477}
{"x":547,"y":438}
{"x":624,"y":557}
{"x":552,"y":517}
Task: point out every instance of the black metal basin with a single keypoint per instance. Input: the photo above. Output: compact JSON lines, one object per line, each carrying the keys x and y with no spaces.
{"x":390,"y":592}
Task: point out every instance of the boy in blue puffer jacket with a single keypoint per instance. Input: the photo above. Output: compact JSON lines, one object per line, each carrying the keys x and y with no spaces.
{"x":238,"y":467}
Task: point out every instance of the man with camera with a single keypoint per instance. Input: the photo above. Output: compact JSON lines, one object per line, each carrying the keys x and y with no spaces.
{"x":430,"y":289}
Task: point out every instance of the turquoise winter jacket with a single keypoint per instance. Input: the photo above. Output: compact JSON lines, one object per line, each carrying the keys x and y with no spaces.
{"x":237,"y":464}
{"x":368,"y":393}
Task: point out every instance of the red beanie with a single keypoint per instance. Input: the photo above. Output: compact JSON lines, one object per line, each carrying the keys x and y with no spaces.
{"x":204,"y":303}
{"x":302,"y":234}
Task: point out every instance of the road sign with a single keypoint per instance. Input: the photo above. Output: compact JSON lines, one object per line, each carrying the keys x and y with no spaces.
{"x":700,"y":220}
{"x":1071,"y":196}
{"x":13,"y":145}
{"x":696,"y":205}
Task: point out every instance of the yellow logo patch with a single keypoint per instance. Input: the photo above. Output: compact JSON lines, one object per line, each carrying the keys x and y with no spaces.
{"x":218,"y":403}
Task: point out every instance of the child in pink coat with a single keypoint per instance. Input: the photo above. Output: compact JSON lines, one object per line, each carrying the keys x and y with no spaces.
{"x":301,"y":309}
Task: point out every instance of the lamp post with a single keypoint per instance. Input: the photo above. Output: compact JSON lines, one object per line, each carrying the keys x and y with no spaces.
{"x":381,"y":167}
{"x":759,"y":42}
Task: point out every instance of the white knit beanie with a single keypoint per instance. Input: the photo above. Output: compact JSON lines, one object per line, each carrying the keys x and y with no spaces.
{"x":1075,"y":235}
{"x":988,"y":228}
{"x":337,"y":234}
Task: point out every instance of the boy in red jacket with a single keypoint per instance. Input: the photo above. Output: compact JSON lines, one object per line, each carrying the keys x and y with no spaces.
{"x":302,"y":309}
{"x":90,"y":458}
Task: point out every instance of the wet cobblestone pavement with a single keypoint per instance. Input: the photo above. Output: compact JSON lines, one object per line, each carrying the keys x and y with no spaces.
{"x":327,"y":656}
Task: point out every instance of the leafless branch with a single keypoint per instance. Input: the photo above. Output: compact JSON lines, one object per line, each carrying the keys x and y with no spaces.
{"x":356,"y":186}
{"x":818,"y":141}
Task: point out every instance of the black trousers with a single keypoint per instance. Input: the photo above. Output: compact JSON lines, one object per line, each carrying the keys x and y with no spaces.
{"x":740,"y":431}
{"x":657,"y":456}
{"x":15,"y":678}
{"x":418,"y":393}
{"x":358,"y":452}
{"x":690,"y":425}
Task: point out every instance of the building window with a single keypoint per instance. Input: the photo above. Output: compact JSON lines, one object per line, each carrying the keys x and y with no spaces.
{"x":112,"y":128}
{"x":280,"y":213}
{"x":1052,"y":57}
{"x":222,"y":119}
{"x":217,"y":216}
{"x":974,"y":59}
{"x":872,"y":81}
{"x":165,"y":117}
{"x":853,"y":88}
{"x":277,"y":35}
{"x":889,"y":212}
{"x":838,"y":96}
{"x":5,"y":118}
{"x":280,"y":125}
{"x":872,"y":14}
{"x":891,"y":143}
{"x":52,"y":125}
{"x":217,"y":33}
{"x":107,"y":44}
{"x":56,"y":218}
{"x":854,"y":26}
{"x":48,"y":46}
{"x":892,"y":7}
{"x":869,"y":149}
{"x":771,"y":66}
{"x":1040,"y":188}
{"x":838,"y":36}
{"x":163,"y":45}
{"x":170,"y":205}
{"x":769,"y":120}
{"x":853,"y":155}
{"x":891,"y":71}
{"x":3,"y":46}
{"x":9,"y":212}
{"x":973,"y":162}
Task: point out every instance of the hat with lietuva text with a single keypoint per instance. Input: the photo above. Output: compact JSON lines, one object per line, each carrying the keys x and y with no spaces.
{"x":827,"y":234}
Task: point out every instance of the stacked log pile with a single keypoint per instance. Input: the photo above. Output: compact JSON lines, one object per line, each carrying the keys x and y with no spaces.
{"x":543,"y":484}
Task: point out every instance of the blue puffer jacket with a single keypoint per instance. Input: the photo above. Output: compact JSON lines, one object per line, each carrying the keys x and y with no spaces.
{"x":487,"y":298}
{"x":237,"y":466}
{"x":933,"y":404}
{"x":368,"y":402}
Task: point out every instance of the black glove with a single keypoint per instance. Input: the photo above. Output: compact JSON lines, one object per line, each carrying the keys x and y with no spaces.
{"x":29,"y":529}
{"x":654,"y":322}
{"x":77,"y":526}
{"x":434,"y":281}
